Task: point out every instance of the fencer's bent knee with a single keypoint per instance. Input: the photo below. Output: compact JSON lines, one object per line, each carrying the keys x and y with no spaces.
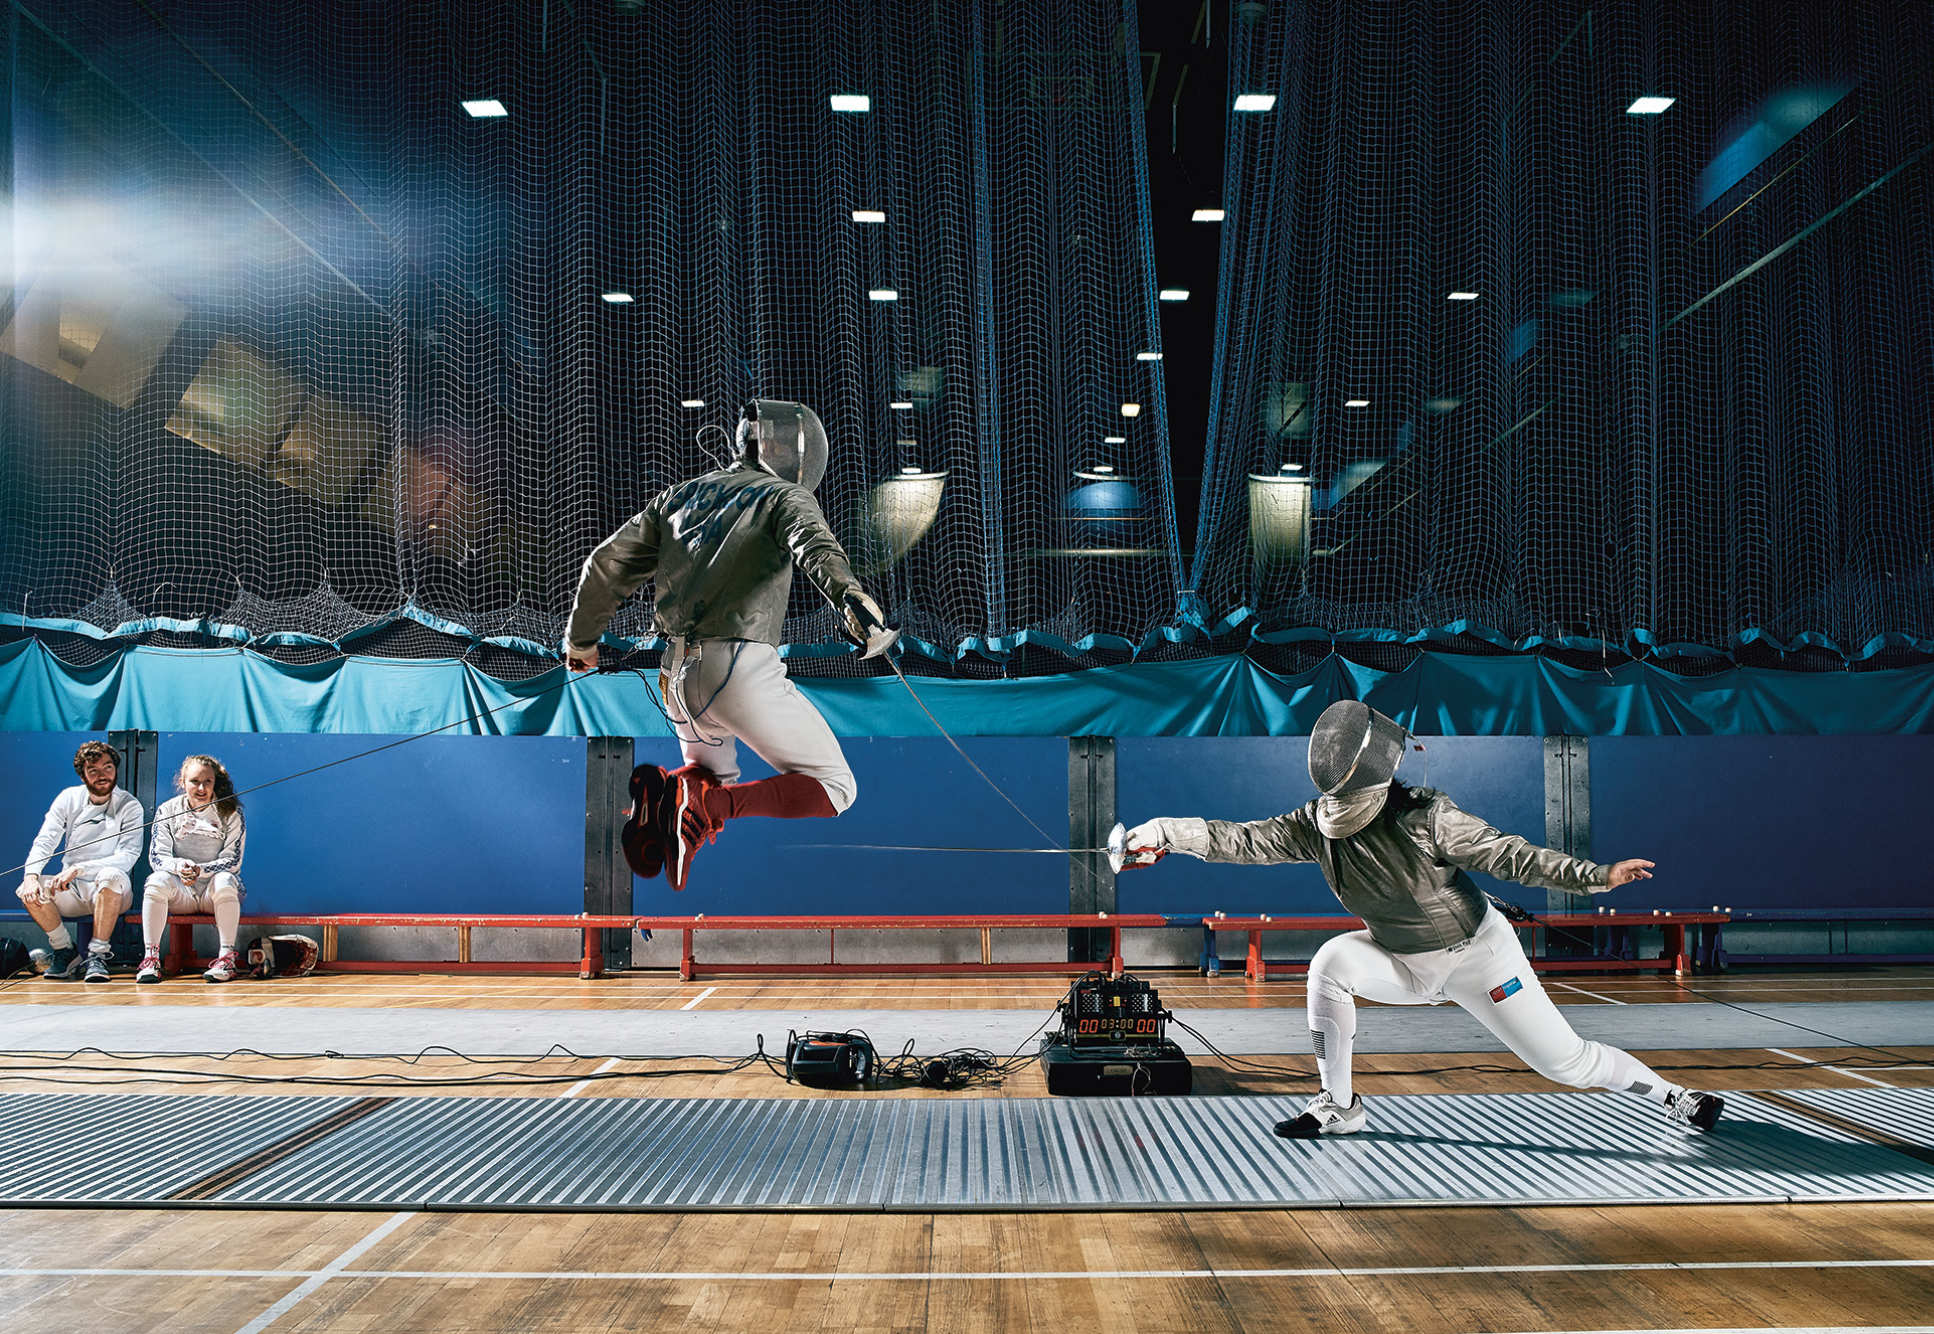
{"x":159,"y":884}
{"x":1328,"y":970}
{"x":225,"y":886}
{"x":841,"y":789}
{"x":114,"y":882}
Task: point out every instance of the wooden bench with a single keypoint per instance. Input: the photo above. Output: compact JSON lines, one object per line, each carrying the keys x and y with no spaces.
{"x":1673,"y":956}
{"x":181,"y":926}
{"x":1113,"y":923}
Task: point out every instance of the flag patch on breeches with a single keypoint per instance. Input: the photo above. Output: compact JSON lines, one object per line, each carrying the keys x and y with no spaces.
{"x":1499,"y":993}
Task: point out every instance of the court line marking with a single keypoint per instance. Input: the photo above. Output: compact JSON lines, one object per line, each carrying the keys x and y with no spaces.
{"x":692,"y":1004}
{"x":323,"y":1275}
{"x":337,"y":1269}
{"x":1850,"y":1074}
{"x":1593,"y":994}
{"x":583,"y":1084}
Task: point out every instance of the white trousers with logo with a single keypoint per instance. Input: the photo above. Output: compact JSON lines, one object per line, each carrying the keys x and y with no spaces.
{"x":719,"y":692}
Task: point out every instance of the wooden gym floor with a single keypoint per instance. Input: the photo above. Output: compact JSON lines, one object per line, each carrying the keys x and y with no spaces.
{"x":1425,"y":1270}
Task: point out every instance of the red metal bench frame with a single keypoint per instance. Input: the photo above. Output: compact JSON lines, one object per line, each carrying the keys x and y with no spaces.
{"x":181,"y":928}
{"x":1673,"y":956}
{"x":690,"y":967}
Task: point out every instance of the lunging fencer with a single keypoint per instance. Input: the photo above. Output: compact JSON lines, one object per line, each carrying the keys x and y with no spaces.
{"x":1398,"y":857}
{"x":99,"y":823}
{"x":719,"y":550}
{"x":199,"y":838}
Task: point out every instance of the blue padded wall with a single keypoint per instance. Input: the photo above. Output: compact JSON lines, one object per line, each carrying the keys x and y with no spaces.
{"x":1252,"y":778}
{"x":912,"y":791}
{"x":1768,"y":822}
{"x":443,"y":824}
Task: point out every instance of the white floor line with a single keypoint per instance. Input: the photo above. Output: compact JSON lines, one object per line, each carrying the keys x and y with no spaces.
{"x":1593,"y":994}
{"x":583,"y":1084}
{"x":1850,"y":1074}
{"x":692,"y":1004}
{"x":316,"y":1277}
{"x":323,"y":1275}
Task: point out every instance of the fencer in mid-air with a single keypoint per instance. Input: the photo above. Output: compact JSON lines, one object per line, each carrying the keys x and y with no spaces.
{"x":719,"y":551}
{"x":1398,"y":857}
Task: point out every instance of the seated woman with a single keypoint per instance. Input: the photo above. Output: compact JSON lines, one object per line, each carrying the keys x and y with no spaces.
{"x":197,"y":857}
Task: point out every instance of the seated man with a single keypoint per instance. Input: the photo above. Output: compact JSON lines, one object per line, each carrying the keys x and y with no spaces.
{"x":1397,"y":857}
{"x":198,"y":841}
{"x":99,"y":825}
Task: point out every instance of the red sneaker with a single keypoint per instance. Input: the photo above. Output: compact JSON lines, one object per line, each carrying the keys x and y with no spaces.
{"x":643,"y":842}
{"x":684,"y":824}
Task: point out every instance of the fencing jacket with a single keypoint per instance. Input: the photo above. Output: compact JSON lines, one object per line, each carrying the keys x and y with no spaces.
{"x":185,"y":837}
{"x":719,"y":550}
{"x":102,"y":836}
{"x":1404,"y":872}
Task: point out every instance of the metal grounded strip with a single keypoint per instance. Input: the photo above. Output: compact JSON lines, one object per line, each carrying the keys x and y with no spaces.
{"x":863,"y":1152}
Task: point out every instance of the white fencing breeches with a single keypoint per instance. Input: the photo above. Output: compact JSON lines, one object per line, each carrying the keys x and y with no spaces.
{"x":77,"y":900}
{"x":719,"y":692}
{"x":218,"y":895}
{"x":1489,"y":977}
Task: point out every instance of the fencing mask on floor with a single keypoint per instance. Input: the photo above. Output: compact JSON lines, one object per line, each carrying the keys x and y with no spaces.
{"x":1353,"y":754}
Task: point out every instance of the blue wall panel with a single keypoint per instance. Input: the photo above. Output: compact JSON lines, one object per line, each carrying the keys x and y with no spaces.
{"x":34,"y":766}
{"x":912,"y":791}
{"x":1252,"y":778}
{"x":1767,"y":822}
{"x":443,"y":824}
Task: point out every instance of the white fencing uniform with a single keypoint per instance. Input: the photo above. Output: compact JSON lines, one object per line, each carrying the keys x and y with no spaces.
{"x":102,"y":842}
{"x":737,"y":690}
{"x":184,"y":837}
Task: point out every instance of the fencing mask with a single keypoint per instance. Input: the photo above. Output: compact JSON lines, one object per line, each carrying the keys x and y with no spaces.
{"x":786,"y":439}
{"x":1353,"y":755}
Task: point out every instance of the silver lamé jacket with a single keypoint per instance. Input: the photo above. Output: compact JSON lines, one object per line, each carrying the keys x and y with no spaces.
{"x":719,"y":550}
{"x":1404,"y":872}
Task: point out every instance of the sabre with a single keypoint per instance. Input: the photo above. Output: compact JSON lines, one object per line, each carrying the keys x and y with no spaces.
{"x":1116,"y":848}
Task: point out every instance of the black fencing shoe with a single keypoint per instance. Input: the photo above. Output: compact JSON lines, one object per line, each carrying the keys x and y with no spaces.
{"x":60,"y":965}
{"x":1698,"y":1110}
{"x":643,"y":839}
{"x":1326,"y":1116}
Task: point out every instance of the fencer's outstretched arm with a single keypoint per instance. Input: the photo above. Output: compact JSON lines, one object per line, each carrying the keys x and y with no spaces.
{"x":612,"y":572}
{"x":1282,"y":838}
{"x":1466,"y":841}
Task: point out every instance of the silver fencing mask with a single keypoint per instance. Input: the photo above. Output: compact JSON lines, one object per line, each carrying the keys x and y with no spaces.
{"x":1353,"y":755}
{"x":786,"y":439}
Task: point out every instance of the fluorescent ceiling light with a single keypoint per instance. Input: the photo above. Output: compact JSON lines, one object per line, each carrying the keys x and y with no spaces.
{"x":882,"y":294}
{"x":868,"y":215}
{"x":1114,"y":440}
{"x":1292,"y":467}
{"x":1175,"y":294}
{"x":1649,"y":106}
{"x":1148,"y":356}
{"x":691,"y":402}
{"x":1207,"y":215}
{"x":1104,"y":468}
{"x":618,"y":298}
{"x":851,"y":102}
{"x":1356,"y":403}
{"x":1256,"y":102}
{"x":909,"y":470}
{"x":485,"y":107}
{"x":1463,"y":296}
{"x":1131,"y":409}
{"x":901,"y":405}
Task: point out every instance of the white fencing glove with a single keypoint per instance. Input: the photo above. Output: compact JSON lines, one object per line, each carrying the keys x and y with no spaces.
{"x":1146,"y":844}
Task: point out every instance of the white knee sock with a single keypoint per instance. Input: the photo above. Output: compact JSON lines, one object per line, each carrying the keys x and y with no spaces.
{"x":228,"y":917}
{"x":1626,"y":1073}
{"x":154,"y":920}
{"x":1332,"y":1031}
{"x":99,"y":945}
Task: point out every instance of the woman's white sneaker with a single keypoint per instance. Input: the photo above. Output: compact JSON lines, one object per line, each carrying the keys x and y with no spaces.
{"x":150,"y":969}
{"x":1326,"y":1116}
